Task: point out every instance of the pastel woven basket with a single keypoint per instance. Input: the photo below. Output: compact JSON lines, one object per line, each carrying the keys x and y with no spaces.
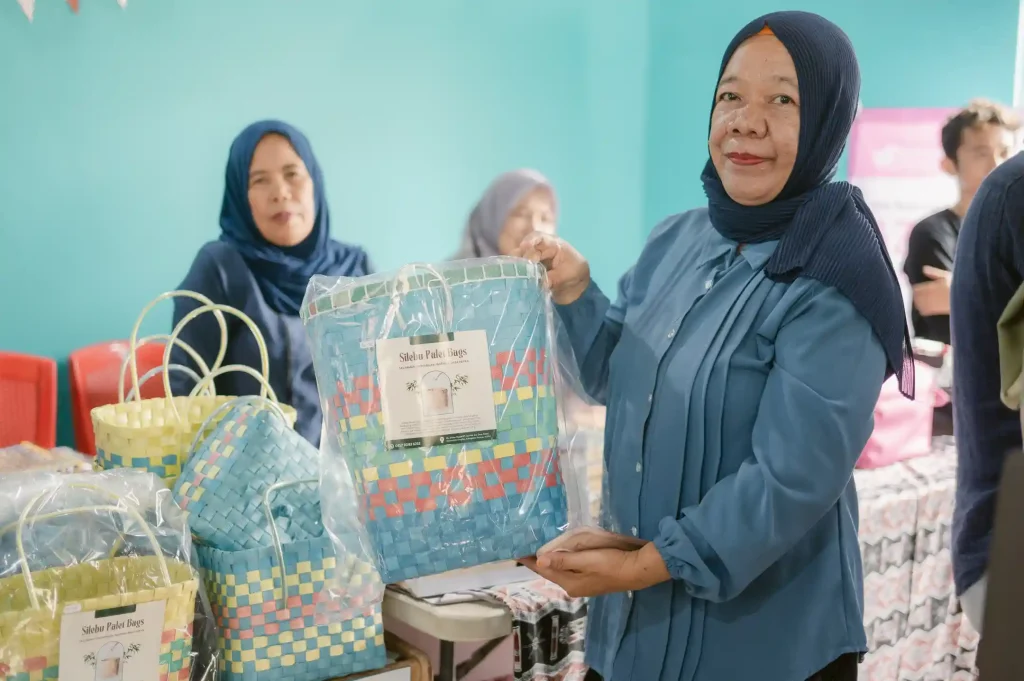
{"x":32,"y":604}
{"x":447,"y":506}
{"x":155,"y":434}
{"x":222,"y":486}
{"x":275,"y":616}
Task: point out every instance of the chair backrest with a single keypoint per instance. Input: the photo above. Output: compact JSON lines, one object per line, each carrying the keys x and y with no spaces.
{"x":28,"y":400}
{"x":93,"y":373}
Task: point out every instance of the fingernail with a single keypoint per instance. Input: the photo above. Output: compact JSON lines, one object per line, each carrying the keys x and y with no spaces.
{"x":543,"y":562}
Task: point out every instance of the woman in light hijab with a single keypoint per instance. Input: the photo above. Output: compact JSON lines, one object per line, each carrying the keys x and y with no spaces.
{"x":515,"y":205}
{"x":741,"y":362}
{"x":275,"y":235}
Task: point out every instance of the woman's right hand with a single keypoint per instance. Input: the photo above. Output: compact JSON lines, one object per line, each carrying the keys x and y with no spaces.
{"x":568,"y":271}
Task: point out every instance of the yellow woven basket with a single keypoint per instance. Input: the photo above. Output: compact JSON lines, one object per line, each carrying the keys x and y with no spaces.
{"x":155,"y":434}
{"x":32,"y":603}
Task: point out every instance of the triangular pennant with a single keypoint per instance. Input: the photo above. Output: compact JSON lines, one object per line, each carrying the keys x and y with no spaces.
{"x":74,"y":5}
{"x":28,"y":7}
{"x":123,"y":3}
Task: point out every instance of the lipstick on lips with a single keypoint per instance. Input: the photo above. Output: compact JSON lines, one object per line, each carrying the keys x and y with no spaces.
{"x":282,"y":217}
{"x":745,"y":159}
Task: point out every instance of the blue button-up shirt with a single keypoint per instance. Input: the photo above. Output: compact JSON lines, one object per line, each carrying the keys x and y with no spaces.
{"x":737,"y":407}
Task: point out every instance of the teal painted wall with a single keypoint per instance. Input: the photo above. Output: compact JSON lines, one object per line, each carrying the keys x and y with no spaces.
{"x":114,"y":125}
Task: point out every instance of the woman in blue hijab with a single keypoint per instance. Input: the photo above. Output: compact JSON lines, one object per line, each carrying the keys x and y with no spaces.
{"x":741,"y":363}
{"x":275,"y":235}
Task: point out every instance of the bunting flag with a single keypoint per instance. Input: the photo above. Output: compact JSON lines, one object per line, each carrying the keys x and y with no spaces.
{"x":28,"y":7}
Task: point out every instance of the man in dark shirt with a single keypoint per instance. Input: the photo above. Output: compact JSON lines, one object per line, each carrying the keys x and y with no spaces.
{"x":989,"y":267}
{"x":975,"y":140}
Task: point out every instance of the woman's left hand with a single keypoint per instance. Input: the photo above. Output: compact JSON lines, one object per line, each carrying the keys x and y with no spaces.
{"x":596,"y":572}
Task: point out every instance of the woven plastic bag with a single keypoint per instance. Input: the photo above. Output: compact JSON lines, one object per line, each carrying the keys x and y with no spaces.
{"x":291,"y":610}
{"x":155,"y":434}
{"x":96,"y":581}
{"x":251,"y":448}
{"x":439,"y":386}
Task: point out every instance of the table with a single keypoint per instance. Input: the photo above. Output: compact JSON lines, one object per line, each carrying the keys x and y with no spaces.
{"x":451,"y":624}
{"x":915,"y":628}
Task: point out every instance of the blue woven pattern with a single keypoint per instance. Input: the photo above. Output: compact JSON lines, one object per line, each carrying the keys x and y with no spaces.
{"x":429,"y":510}
{"x":167,"y":468}
{"x":297,"y":635}
{"x":222,"y":484}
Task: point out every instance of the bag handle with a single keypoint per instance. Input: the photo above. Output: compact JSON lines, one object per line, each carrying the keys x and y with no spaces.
{"x":228,"y":406}
{"x":172,"y":367}
{"x":196,"y":357}
{"x":26,"y":513}
{"x":402,"y":277}
{"x":133,"y":342}
{"x":217,"y":370}
{"x":275,"y":537}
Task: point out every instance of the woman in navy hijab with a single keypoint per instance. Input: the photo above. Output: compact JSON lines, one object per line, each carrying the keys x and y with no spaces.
{"x":741,"y":363}
{"x":275,"y":235}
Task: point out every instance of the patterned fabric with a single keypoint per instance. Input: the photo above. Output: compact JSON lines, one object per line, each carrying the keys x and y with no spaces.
{"x":916,"y":629}
{"x":297,"y":635}
{"x":222,"y":484}
{"x":547,"y":632}
{"x":436,"y":508}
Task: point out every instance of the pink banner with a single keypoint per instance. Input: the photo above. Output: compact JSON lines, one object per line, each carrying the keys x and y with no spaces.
{"x":897,"y":142}
{"x":895,"y":158}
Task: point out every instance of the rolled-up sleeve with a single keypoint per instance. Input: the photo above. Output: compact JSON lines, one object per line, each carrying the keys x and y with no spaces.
{"x":593,"y":326}
{"x":813,"y":420}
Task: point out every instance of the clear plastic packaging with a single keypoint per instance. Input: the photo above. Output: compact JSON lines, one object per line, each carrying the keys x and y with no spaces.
{"x":441,"y":388}
{"x":29,"y":457}
{"x":97,"y":581}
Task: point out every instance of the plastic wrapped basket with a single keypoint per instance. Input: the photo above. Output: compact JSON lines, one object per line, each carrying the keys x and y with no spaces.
{"x":33,"y":602}
{"x":458,"y":357}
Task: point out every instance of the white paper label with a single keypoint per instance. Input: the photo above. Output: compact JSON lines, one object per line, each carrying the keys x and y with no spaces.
{"x":119,"y":644}
{"x":436,"y":389}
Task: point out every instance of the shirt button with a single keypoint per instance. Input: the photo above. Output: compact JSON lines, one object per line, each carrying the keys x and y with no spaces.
{"x":650,"y":398}
{"x":671,"y":334}
{"x":707,"y":284}
{"x":635,"y":531}
{"x":629,"y":594}
{"x":639,"y":466}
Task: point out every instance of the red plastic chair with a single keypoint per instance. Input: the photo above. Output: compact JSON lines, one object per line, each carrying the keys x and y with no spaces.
{"x":93,"y":373}
{"x":28,"y":400}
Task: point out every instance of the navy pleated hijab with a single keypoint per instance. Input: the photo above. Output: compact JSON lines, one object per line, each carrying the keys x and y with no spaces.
{"x":825,"y":229}
{"x":282,"y":272}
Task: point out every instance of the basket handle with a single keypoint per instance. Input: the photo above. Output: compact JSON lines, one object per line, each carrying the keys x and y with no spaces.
{"x":171,"y":367}
{"x":402,"y":277}
{"x":224,"y":408}
{"x":126,"y":510}
{"x":133,"y":342}
{"x":217,"y":370}
{"x":278,"y":548}
{"x":196,"y":357}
